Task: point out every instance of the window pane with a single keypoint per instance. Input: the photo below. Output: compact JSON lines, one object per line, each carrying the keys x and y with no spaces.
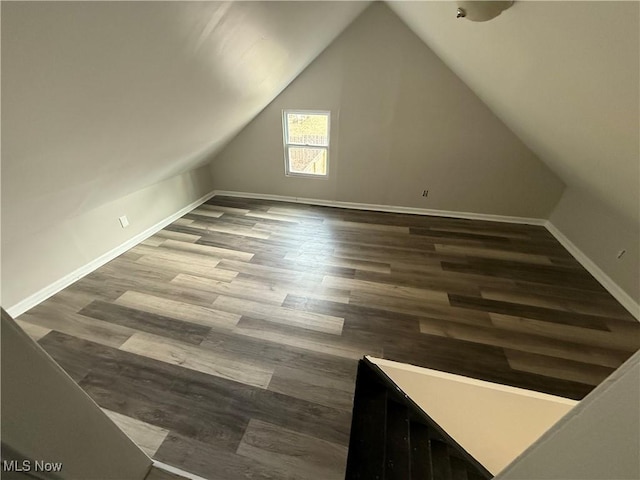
{"x":311,"y":161}
{"x":308,"y":129}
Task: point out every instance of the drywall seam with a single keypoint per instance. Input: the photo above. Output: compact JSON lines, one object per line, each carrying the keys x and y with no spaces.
{"x":53,"y":288}
{"x":385,"y":208}
{"x":612,"y":287}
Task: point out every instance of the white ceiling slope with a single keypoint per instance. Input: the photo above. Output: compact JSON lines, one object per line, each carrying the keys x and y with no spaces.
{"x":104,"y":98}
{"x":564,"y":76}
{"x":100,"y":99}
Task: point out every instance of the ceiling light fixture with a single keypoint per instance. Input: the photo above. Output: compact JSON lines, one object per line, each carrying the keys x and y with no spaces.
{"x":481,"y":11}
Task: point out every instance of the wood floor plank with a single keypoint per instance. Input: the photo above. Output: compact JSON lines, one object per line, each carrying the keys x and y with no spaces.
{"x":295,"y":211}
{"x":179,"y":266}
{"x":273,"y":216}
{"x":223,"y":209}
{"x":240,"y":231}
{"x":183,"y":237}
{"x":473,"y":228}
{"x":536,"y":299}
{"x":157,"y":473}
{"x":366,"y":226}
{"x":230,"y":289}
{"x":472,"y":360}
{"x":60,"y":347}
{"x":556,"y":367}
{"x":36,"y":332}
{"x":296,"y":338}
{"x":186,"y":257}
{"x":153,"y":241}
{"x":297,"y":454}
{"x":493,"y":253}
{"x":529,"y":311}
{"x":389,"y":290}
{"x":157,"y":392}
{"x":524,"y":342}
{"x":268,"y":272}
{"x":81,"y":327}
{"x":617,"y":341}
{"x":207,"y":250}
{"x":148,"y":437}
{"x":332,"y":261}
{"x":420,"y":308}
{"x":182,"y":221}
{"x":313,"y":387}
{"x":139,"y":320}
{"x":208,"y":317}
{"x":110,"y":287}
{"x":276,"y":355}
{"x":293,"y":288}
{"x":216,"y":464}
{"x":195,"y":358}
{"x":278,"y":262}
{"x":309,"y":321}
{"x":234,"y":333}
{"x":206,"y":213}
{"x":517,"y":271}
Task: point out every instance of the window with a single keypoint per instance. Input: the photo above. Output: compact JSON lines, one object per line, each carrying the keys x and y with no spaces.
{"x":306,"y":142}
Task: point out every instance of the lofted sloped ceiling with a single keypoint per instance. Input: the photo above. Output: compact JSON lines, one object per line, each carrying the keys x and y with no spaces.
{"x":564,"y":76}
{"x":100,"y":99}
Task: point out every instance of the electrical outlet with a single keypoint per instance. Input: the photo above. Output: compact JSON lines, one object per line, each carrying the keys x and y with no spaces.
{"x":425,"y":193}
{"x":124,"y":221}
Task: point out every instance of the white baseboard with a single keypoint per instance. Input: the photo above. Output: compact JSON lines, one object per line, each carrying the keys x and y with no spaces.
{"x":53,"y":288}
{"x":618,"y":293}
{"x":176,"y":471}
{"x":385,"y":208}
{"x":612,"y":287}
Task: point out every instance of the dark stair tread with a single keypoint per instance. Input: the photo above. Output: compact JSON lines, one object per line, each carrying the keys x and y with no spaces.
{"x":367,"y":443}
{"x":393,"y":439}
{"x":473,"y":475}
{"x":440,"y":460}
{"x":458,"y":468}
{"x":397,"y":455}
{"x":420,"y":451}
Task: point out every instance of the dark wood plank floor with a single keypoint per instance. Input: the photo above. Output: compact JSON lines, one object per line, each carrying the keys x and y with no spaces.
{"x":229,"y":340}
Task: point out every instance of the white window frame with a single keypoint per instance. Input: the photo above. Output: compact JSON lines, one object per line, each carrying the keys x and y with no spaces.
{"x":285,"y":137}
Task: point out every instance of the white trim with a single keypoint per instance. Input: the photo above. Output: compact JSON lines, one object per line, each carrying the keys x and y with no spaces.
{"x":612,"y":287}
{"x":53,"y":288}
{"x":385,"y":208}
{"x":176,"y":471}
{"x":287,"y":143}
{"x":470,"y":381}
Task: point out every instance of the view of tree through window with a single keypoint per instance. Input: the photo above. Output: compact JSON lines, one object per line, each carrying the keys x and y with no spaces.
{"x":306,"y":142}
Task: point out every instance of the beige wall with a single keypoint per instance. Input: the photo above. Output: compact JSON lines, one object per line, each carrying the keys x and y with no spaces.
{"x":600,"y":234}
{"x":47,"y":417}
{"x":467,"y":409}
{"x":563,"y":75}
{"x":402,"y":122}
{"x":598,"y":440}
{"x":102,"y":99}
{"x":32,"y":262}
